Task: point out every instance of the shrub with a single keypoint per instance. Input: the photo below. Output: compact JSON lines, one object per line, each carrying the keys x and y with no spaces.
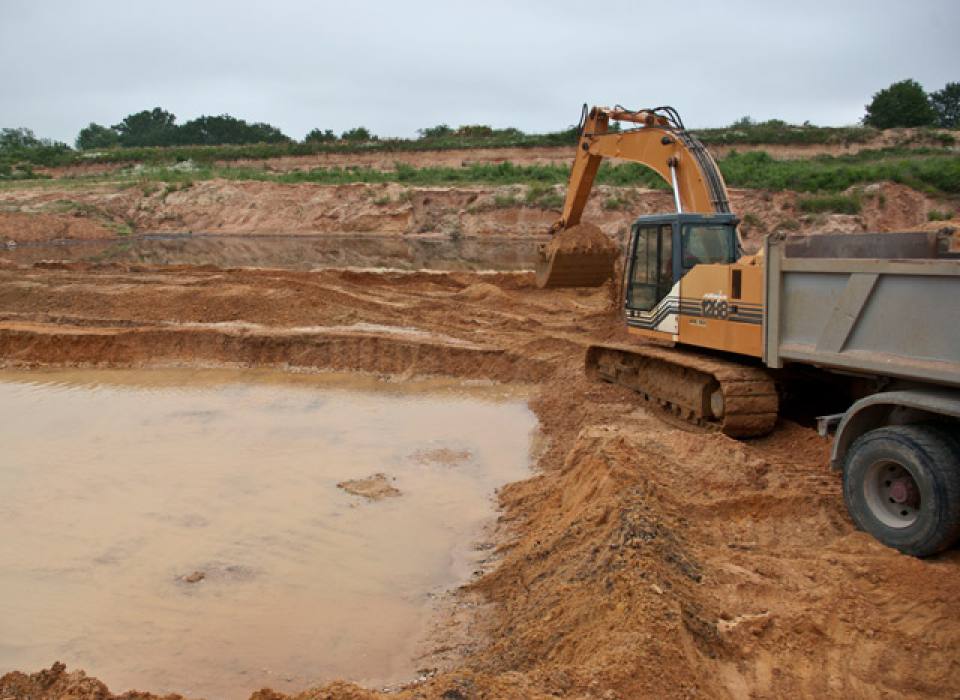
{"x":318,"y":136}
{"x":946,"y":104}
{"x":435,"y":132}
{"x":359,"y":133}
{"x":97,"y":136}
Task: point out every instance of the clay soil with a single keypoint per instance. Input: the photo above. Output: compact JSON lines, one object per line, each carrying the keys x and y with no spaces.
{"x":643,"y":559}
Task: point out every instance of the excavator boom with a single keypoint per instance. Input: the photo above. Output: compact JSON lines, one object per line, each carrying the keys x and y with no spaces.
{"x":659,"y":142}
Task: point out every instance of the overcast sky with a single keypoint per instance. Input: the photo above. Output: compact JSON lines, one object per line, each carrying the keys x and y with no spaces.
{"x":397,"y":66}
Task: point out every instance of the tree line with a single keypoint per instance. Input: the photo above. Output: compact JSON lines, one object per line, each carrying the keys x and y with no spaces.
{"x":158,"y":127}
{"x":902,"y":104}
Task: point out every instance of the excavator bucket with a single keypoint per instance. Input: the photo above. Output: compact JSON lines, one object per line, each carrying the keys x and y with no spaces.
{"x":580,"y":256}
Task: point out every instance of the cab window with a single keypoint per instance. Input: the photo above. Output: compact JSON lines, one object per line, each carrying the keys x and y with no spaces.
{"x":704,"y":244}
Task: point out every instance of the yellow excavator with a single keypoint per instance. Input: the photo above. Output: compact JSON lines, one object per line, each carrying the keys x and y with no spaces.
{"x":686,"y":281}
{"x":868,"y":321}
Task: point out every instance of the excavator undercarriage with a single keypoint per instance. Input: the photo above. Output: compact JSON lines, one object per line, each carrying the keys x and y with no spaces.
{"x":736,"y":399}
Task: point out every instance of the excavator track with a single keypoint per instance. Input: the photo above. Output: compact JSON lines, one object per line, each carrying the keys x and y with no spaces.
{"x":738,"y":400}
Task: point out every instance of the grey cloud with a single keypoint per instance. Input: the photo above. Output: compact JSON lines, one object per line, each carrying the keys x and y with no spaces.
{"x":398,"y":66}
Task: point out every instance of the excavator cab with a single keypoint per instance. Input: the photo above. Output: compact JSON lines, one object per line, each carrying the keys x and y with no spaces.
{"x":663,"y":248}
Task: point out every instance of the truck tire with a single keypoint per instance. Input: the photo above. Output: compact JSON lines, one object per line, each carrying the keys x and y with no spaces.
{"x":902,"y":485}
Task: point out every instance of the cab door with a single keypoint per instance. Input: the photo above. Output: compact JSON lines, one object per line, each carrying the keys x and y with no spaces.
{"x":650,"y":274}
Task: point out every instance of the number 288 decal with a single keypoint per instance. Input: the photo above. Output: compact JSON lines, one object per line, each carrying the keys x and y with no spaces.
{"x":714,"y":306}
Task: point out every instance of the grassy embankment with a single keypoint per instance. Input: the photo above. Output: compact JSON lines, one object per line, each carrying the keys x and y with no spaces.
{"x":823,"y":179}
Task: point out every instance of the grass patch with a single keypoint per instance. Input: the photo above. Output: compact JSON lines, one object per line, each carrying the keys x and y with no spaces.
{"x":830,"y":203}
{"x":937,"y":215}
{"x":121,"y":228}
{"x":926,"y":171}
{"x":505,"y":201}
{"x":787,"y":225}
{"x":615,"y":203}
{"x":543,"y":197}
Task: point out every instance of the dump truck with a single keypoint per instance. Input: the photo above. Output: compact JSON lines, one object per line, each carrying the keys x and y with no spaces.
{"x":869,"y":323}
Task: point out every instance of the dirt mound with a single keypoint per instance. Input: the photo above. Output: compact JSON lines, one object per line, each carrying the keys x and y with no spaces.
{"x":586,"y":239}
{"x":373,"y":488}
{"x":54,"y":683}
{"x":888,"y":206}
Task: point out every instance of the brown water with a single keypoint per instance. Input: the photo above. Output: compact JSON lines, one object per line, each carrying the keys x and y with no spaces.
{"x":116,"y":484}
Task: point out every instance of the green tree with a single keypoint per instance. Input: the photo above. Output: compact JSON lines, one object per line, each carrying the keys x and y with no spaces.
{"x":97,"y":136}
{"x":946,"y":103}
{"x":320,"y":136}
{"x":360,"y":133}
{"x":434,"y":132}
{"x":155,"y":127}
{"x":17,"y":139}
{"x":224,"y":129}
{"x":902,"y":104}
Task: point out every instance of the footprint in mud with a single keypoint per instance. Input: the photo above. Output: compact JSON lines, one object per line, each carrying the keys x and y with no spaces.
{"x":373,"y":488}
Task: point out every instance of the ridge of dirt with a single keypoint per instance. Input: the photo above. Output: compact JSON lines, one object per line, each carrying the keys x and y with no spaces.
{"x":393,"y":214}
{"x":641,"y":560}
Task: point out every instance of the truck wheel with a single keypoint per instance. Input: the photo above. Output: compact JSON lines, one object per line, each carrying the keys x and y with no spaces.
{"x":902,"y":485}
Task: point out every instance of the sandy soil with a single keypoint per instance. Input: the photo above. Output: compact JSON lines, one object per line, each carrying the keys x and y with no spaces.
{"x":642,"y":560}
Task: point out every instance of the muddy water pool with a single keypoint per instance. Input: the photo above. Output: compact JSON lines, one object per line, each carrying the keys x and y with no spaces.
{"x":121,"y":487}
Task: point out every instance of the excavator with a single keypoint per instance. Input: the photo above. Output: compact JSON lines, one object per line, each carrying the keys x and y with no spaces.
{"x":867,"y":318}
{"x":687,"y":282}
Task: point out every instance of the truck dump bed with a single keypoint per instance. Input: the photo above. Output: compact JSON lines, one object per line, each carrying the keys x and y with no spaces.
{"x":874,"y":304}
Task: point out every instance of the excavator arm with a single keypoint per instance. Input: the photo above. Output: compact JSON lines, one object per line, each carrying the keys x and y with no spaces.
{"x":658,"y":141}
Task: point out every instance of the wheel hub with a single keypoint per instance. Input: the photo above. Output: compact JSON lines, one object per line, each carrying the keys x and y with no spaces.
{"x":904,"y":490}
{"x":892,"y":494}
